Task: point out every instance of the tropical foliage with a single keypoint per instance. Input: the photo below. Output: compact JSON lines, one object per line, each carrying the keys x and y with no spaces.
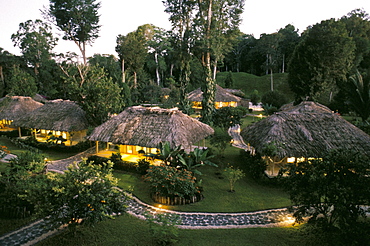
{"x":83,"y":195}
{"x":330,"y":191}
{"x":170,"y":182}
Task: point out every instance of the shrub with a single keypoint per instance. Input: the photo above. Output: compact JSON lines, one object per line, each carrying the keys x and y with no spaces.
{"x":163,"y":227}
{"x":220,"y":140}
{"x":98,"y":160}
{"x":142,"y":166}
{"x":233,"y":175}
{"x":171,"y":182}
{"x":254,"y":164}
{"x":119,"y":164}
{"x":228,"y":116}
{"x":274,"y":98}
{"x":34,"y":144}
{"x":255,"y":98}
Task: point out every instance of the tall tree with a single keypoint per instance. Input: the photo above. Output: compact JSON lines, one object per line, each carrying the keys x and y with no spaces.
{"x":36,"y":41}
{"x":207,"y":24}
{"x":132,"y":51}
{"x":323,"y":57}
{"x":357,"y":23}
{"x":21,"y":83}
{"x":158,"y":47}
{"x":110,"y":64}
{"x":181,"y":18}
{"x":7,"y":63}
{"x":93,"y":90}
{"x":358,"y":93}
{"x":269,"y":44}
{"x":78,"y":20}
{"x":289,"y":40}
{"x":330,"y":191}
{"x":214,"y":20}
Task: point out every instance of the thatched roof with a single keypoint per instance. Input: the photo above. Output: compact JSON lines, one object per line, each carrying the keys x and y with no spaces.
{"x":221,"y":95}
{"x":306,"y":130}
{"x":147,"y":127}
{"x":39,"y":98}
{"x":235,"y":92}
{"x":13,"y":107}
{"x":57,"y":115}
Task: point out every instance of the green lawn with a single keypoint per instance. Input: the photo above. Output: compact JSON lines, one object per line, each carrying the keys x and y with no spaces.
{"x":249,"y":82}
{"x":50,"y":154}
{"x":249,"y":195}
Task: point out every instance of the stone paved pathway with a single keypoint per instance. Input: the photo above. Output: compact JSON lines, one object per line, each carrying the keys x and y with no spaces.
{"x":40,"y":230}
{"x":200,"y":220}
{"x":61,"y":165}
{"x":237,"y":141}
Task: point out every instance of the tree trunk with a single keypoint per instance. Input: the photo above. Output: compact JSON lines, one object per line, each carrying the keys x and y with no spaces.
{"x":283,"y":68}
{"x":214,"y":70}
{"x":157,"y":68}
{"x":171,"y":69}
{"x":209,"y":87}
{"x":135,"y":80}
{"x":272,"y":80}
{"x":84,"y":53}
{"x":123,"y":71}
{"x":271,"y":74}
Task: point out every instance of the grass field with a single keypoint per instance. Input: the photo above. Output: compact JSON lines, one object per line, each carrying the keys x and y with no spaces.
{"x":249,"y":82}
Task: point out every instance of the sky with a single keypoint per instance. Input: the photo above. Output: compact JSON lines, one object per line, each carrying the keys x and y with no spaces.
{"x":124,"y":16}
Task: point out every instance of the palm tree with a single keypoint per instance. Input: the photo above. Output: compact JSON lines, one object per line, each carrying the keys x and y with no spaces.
{"x":358,"y":93}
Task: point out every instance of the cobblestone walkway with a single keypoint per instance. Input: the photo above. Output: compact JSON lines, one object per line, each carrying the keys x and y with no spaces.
{"x":40,"y":230}
{"x":200,"y":220}
{"x":61,"y":165}
{"x":237,"y":141}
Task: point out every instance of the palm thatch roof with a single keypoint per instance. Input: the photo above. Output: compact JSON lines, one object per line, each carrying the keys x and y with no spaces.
{"x":13,"y":107}
{"x":306,"y":130}
{"x":147,"y":127}
{"x":39,"y":98}
{"x":221,"y":95}
{"x":57,"y":115}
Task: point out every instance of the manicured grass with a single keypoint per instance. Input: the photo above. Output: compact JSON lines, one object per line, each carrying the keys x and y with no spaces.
{"x":249,"y":195}
{"x":8,"y":225}
{"x":51,"y":155}
{"x":127,"y":230}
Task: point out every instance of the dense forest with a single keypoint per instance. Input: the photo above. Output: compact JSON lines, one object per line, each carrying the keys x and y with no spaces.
{"x":328,"y":62}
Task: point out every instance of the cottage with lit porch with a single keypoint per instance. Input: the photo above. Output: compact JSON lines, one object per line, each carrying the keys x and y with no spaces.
{"x":137,"y":132}
{"x":13,"y":107}
{"x":58,"y":121}
{"x":308,"y":130}
{"x":222,"y":98}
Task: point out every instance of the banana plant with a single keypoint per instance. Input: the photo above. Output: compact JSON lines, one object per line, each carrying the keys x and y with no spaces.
{"x":197,"y":158}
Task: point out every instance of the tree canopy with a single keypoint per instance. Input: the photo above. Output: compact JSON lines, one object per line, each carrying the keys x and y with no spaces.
{"x":331,"y":192}
{"x":36,"y":41}
{"x":78,"y":20}
{"x":320,"y":60}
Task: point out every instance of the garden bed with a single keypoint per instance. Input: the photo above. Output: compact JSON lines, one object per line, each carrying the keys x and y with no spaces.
{"x":176,"y":200}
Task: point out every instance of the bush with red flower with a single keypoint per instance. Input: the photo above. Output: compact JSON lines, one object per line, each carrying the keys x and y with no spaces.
{"x":171,"y":182}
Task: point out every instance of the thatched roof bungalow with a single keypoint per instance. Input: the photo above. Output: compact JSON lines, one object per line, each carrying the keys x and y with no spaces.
{"x":13,"y":107}
{"x":140,"y":128}
{"x":222,"y":98}
{"x":60,"y":121}
{"x":308,"y":130}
